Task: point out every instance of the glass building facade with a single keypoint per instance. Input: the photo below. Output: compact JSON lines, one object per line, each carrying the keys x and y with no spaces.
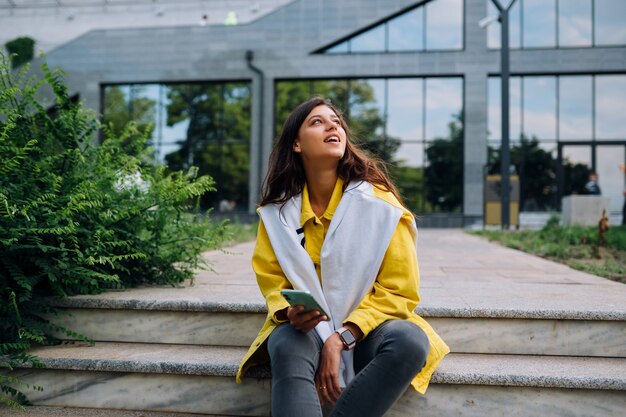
{"x":413,"y":124}
{"x":206,"y":125}
{"x":419,"y":85}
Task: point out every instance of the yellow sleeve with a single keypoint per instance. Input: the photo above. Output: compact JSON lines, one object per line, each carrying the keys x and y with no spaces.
{"x":395,"y":291}
{"x":269,"y":274}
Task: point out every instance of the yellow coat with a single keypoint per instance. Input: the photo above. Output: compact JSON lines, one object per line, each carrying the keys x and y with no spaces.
{"x":394,"y":295}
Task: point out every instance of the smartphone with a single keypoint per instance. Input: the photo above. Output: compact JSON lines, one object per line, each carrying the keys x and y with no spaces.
{"x":302,"y":298}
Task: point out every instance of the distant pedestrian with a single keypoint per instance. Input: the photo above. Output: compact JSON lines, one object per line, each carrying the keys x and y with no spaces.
{"x":592,"y":185}
{"x":332,"y":223}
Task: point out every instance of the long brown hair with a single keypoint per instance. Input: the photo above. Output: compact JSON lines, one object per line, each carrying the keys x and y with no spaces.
{"x":285,"y":177}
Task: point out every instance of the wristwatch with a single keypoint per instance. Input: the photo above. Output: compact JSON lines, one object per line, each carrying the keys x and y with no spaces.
{"x":346,"y":336}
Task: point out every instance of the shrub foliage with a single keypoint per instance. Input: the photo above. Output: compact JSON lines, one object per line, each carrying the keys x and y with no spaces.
{"x":77,"y":218}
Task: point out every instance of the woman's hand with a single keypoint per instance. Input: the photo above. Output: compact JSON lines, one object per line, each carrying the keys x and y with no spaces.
{"x":327,"y":378}
{"x":304,"y":322}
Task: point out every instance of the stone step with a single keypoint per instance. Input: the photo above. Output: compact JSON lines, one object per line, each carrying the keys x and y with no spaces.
{"x":497,"y":331}
{"x":43,"y":411}
{"x":200,"y":379}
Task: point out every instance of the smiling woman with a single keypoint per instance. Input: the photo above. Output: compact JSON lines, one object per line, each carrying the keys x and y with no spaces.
{"x":332,"y":224}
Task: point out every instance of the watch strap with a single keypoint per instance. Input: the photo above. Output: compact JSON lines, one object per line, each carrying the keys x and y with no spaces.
{"x":347,"y":338}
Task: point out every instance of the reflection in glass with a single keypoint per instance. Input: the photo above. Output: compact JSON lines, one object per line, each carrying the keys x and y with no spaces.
{"x":494,"y":118}
{"x":406,"y":32}
{"x":493,"y":30}
{"x":540,"y":107}
{"x":609,"y":18}
{"x":371,"y":41}
{"x":444,"y":101}
{"x":610,"y":105}
{"x":367,"y":108}
{"x":410,"y":154}
{"x":405,"y":107}
{"x":341,"y":48}
{"x":288,"y":95}
{"x":610,"y":178}
{"x":444,"y":24}
{"x":216,"y":140}
{"x":407,"y":172}
{"x":206,"y":125}
{"x":495,"y":109}
{"x":575,"y":107}
{"x":337,"y":91}
{"x":539,"y":23}
{"x":576,"y":167}
{"x":387,"y":115}
{"x":575,"y":23}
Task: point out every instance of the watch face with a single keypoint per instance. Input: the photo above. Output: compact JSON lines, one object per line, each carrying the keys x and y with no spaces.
{"x":348,"y":337}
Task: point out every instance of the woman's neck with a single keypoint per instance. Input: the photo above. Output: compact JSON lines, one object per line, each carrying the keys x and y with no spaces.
{"x":321,"y":185}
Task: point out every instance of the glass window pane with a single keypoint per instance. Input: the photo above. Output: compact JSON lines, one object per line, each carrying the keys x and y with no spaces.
{"x":610,"y":178}
{"x":494,"y":114}
{"x":213,"y":121}
{"x":341,"y":48}
{"x":493,"y":30}
{"x":576,"y":167}
{"x":443,"y":175}
{"x":610,"y":105}
{"x":407,"y":172}
{"x":288,"y":95}
{"x":406,"y":32}
{"x":367,"y":108}
{"x":575,"y":108}
{"x":540,"y":107}
{"x":609,"y":18}
{"x":371,"y":41}
{"x":515,"y":108}
{"x":444,"y":24}
{"x":575,"y":23}
{"x":116,"y":106}
{"x":539,"y":23}
{"x":405,"y":107}
{"x":444,"y":103}
{"x":334,"y":90}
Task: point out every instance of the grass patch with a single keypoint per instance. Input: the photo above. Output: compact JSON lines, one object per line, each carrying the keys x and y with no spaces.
{"x":237,"y":232}
{"x":575,"y":246}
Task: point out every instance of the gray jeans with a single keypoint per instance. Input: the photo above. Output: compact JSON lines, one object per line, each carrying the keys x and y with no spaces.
{"x":385,"y":362}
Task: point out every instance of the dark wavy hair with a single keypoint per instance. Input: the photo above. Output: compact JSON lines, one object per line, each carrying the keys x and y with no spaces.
{"x":285,"y":177}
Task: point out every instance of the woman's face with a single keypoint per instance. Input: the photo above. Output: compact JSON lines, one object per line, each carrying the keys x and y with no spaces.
{"x":321,"y":136}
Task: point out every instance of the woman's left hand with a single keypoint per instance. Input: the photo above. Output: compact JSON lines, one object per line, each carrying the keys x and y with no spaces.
{"x":327,"y":378}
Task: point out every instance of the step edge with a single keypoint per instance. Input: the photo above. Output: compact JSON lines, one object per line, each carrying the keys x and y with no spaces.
{"x":228,"y":368}
{"x":426,"y":312}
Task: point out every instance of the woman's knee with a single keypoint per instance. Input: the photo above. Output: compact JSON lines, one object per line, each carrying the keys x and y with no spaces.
{"x":407,"y":341}
{"x":287,"y":342}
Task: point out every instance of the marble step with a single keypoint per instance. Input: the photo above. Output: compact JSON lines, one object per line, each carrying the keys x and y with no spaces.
{"x":43,"y":411}
{"x":200,"y":379}
{"x":573,"y":333}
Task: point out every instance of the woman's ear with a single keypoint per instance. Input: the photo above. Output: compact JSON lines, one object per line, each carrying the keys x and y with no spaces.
{"x":296,"y":146}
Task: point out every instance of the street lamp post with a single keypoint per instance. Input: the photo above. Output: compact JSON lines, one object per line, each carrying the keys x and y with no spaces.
{"x":505,"y":150}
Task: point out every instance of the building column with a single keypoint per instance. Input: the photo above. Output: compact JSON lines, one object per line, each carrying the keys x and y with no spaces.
{"x":475,"y":151}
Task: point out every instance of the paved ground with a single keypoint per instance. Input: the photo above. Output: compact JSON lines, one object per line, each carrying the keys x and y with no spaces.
{"x":461,"y":274}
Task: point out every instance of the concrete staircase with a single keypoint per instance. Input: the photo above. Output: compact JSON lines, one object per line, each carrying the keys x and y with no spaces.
{"x":529,"y":338}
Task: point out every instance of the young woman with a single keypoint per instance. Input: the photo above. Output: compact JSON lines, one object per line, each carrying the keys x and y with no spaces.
{"x":332,"y":223}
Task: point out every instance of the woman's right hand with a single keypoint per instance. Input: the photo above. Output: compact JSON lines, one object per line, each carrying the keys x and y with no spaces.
{"x":305,"y":322}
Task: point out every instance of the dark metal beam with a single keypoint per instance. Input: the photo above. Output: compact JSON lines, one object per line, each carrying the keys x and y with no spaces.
{"x":505,"y":148}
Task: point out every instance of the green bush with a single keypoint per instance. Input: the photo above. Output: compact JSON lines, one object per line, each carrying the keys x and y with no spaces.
{"x":21,"y":50}
{"x":77,"y":218}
